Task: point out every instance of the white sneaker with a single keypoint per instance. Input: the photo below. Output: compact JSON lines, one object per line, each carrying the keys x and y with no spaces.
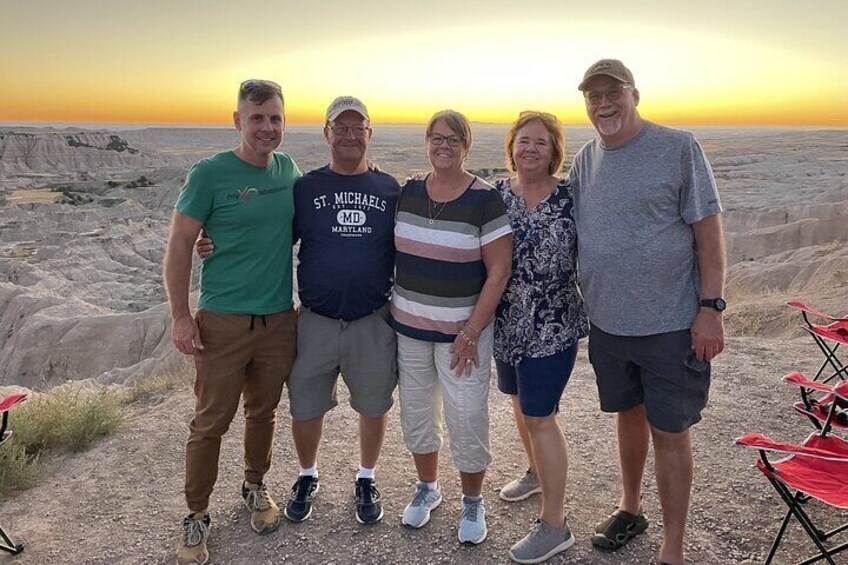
{"x":472,"y":525}
{"x":417,"y":512}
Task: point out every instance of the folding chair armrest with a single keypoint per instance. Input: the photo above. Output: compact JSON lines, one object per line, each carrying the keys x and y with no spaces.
{"x":810,"y":310}
{"x":836,"y":332}
{"x":799,"y":379}
{"x":763,"y":443}
{"x":7,"y":403}
{"x":839,"y":389}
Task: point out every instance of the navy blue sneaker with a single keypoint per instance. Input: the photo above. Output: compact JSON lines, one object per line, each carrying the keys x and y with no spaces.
{"x":299,"y":506}
{"x":368,"y":507}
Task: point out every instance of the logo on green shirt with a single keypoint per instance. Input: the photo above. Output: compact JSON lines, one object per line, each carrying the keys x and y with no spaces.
{"x":245,"y":194}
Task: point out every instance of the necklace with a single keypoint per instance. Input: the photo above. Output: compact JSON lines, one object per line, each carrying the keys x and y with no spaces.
{"x":434,"y":209}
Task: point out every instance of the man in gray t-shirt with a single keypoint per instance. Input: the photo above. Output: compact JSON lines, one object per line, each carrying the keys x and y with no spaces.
{"x":651,"y":260}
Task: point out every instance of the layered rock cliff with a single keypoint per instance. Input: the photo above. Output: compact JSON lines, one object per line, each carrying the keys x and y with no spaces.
{"x":49,"y":151}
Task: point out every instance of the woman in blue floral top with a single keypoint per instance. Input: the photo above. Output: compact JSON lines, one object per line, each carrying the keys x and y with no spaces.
{"x":539,"y":321}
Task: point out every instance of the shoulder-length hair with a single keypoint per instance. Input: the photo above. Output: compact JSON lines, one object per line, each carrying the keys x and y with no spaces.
{"x":554,"y":127}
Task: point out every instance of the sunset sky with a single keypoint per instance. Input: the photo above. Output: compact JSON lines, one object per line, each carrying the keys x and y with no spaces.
{"x":771,"y":62}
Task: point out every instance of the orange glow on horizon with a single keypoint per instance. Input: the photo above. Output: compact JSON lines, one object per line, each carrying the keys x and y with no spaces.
{"x":728,"y":63}
{"x":221,"y":115}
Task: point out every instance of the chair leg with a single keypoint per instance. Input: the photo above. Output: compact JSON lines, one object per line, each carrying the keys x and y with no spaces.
{"x":812,"y":532}
{"x":778,"y":537}
{"x":833,"y":551}
{"x":830,"y":359}
{"x":8,"y":545}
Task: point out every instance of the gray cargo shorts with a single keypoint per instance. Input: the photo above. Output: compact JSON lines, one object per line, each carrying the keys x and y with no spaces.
{"x":363,"y":351}
{"x":657,"y":370}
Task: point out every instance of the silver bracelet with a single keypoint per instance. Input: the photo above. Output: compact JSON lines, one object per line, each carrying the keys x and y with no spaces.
{"x":467,"y":339}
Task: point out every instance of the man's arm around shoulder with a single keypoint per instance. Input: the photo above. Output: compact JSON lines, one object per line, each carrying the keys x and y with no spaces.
{"x":708,"y":328}
{"x":184,"y":331}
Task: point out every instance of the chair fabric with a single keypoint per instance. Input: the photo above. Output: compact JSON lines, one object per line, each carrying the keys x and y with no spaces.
{"x":6,"y":404}
{"x":830,"y":409}
{"x":818,"y":467}
{"x":828,"y":337}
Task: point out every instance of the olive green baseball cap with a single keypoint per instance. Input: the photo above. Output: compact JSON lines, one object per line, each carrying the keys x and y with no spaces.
{"x":608,"y":67}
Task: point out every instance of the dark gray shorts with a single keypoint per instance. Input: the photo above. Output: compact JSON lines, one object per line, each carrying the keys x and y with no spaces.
{"x":364,"y":351}
{"x":652,"y":370}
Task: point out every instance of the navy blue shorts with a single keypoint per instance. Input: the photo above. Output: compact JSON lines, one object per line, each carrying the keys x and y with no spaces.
{"x":538,"y":382}
{"x":657,"y":370}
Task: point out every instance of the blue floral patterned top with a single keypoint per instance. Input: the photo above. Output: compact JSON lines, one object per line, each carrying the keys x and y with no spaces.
{"x":541,"y":311}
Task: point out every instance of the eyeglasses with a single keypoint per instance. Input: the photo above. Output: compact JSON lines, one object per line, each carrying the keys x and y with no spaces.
{"x":453,"y":140}
{"x":358,"y":131}
{"x":613,"y":94}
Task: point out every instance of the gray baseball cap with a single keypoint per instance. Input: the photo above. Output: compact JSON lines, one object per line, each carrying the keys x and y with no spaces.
{"x":345,"y":103}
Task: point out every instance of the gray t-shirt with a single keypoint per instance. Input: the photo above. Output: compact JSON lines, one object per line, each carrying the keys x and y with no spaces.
{"x":634,"y":206}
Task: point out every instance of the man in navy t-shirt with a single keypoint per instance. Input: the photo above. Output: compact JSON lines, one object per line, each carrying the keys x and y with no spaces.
{"x":344,"y":219}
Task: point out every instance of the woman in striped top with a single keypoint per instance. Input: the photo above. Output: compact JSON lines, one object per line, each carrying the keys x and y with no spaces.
{"x":454,"y":249}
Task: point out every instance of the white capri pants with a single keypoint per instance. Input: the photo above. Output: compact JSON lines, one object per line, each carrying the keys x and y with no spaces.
{"x":427,"y":387}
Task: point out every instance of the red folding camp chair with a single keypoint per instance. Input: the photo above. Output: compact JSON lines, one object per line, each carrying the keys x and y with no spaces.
{"x":829,"y":411}
{"x":6,"y":544}
{"x":828,"y":337}
{"x":818,"y":468}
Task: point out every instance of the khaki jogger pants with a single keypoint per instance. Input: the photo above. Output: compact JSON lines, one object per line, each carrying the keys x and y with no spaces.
{"x":243,"y":354}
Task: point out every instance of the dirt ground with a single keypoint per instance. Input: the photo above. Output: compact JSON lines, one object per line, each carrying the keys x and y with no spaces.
{"x":121,"y":501}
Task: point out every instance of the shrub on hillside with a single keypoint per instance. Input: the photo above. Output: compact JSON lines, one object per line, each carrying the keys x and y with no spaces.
{"x":70,"y":421}
{"x":63,"y":420}
{"x":18,"y":469}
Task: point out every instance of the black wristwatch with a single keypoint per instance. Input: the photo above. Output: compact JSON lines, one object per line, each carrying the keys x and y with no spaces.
{"x":716,"y":303}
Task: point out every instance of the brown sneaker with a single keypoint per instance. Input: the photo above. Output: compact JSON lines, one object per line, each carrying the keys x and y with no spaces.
{"x":191,"y":549}
{"x":264,"y":513}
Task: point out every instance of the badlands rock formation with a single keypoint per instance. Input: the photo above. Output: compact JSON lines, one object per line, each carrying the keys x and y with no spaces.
{"x":80,"y":257}
{"x":83,"y":228}
{"x":786,"y":195}
{"x":23,"y":152}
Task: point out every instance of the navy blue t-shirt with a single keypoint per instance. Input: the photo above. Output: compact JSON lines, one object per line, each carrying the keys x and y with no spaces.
{"x":347,"y":252}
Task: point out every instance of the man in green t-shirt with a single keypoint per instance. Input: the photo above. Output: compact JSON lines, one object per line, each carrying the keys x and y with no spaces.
{"x":243,"y":335}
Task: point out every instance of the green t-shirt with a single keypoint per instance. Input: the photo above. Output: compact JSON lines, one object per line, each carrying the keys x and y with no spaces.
{"x":247,"y":211}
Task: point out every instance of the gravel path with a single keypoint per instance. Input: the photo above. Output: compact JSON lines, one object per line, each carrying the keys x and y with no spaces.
{"x":121,"y":501}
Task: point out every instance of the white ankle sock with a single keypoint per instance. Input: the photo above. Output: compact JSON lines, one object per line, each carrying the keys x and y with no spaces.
{"x":431,"y":486}
{"x":310,"y":472}
{"x":365,"y":473}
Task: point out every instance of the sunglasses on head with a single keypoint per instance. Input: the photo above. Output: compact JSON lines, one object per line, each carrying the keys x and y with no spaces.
{"x":254,"y":84}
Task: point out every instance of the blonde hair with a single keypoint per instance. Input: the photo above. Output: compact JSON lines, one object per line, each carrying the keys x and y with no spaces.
{"x":554,"y":127}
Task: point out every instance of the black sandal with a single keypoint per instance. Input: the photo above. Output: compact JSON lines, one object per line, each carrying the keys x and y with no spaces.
{"x":618,"y":529}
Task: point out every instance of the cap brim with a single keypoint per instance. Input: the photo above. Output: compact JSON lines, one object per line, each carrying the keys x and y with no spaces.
{"x":333,"y":115}
{"x":582,"y":86}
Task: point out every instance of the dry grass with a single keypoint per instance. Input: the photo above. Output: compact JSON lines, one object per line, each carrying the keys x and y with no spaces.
{"x":19,"y":470}
{"x":155,"y":387}
{"x":67,"y":420}
{"x":64,"y":420}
